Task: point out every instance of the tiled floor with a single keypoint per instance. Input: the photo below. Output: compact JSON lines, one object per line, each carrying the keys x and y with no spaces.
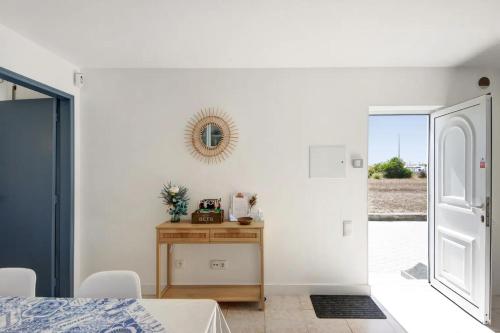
{"x":295,"y":314}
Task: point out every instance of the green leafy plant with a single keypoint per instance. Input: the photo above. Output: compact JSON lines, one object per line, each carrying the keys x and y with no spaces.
{"x":176,"y":199}
{"x":373,"y":169}
{"x":393,"y":168}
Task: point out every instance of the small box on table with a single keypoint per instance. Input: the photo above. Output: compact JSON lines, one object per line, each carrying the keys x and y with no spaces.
{"x":200,"y":217}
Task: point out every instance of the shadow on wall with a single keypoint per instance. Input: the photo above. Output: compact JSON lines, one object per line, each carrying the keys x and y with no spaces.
{"x":487,"y":58}
{"x":484,"y":63}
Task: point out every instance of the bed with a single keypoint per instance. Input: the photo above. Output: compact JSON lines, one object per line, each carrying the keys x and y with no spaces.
{"x":33,"y":314}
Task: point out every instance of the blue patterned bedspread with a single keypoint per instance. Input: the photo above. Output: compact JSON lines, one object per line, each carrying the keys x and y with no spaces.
{"x":108,"y":315}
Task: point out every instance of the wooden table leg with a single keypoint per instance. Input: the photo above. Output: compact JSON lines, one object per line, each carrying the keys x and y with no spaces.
{"x":262,"y":305}
{"x":158,"y":265}
{"x":169,"y":264}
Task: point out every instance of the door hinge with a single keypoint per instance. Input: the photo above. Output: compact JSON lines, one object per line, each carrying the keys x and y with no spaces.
{"x":487,"y":212}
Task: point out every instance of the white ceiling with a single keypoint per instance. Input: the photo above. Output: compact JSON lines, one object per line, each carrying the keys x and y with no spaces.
{"x":262,"y":33}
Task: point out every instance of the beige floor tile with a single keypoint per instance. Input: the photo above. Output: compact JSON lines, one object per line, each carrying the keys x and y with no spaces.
{"x":310,"y":315}
{"x":245,"y":320}
{"x":495,"y":302}
{"x":290,"y":314}
{"x":371,"y":326}
{"x":245,"y":317}
{"x":495,"y":320}
{"x":328,"y":326}
{"x":283,"y":302}
{"x":286,"y":326}
{"x":305,"y":302}
{"x":248,"y":329}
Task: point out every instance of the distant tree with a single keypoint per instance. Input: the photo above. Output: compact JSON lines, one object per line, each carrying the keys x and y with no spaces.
{"x":375,"y":169}
{"x":395,"y":168}
{"x":371,"y":170}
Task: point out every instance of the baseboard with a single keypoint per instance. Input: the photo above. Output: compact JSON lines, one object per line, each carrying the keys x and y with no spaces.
{"x":326,"y":289}
{"x":299,"y":289}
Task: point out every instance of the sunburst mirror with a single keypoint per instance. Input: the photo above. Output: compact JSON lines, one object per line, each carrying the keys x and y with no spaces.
{"x":211,"y":135}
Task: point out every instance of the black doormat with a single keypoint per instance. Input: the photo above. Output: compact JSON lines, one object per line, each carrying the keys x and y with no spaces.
{"x":346,"y":306}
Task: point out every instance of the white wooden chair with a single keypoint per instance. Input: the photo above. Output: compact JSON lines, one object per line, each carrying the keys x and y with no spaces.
{"x":111,"y":284}
{"x":16,"y":281}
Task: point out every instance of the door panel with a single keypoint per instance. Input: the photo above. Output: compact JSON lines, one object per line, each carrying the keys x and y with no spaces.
{"x":27,"y":172}
{"x":459,"y":233}
{"x":455,"y":168}
{"x":454,"y":264}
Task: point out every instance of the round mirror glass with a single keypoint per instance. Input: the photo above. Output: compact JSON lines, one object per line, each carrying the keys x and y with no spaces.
{"x":211,"y":135}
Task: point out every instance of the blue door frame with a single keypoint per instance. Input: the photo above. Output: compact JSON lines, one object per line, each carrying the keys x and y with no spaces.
{"x":64,"y":180}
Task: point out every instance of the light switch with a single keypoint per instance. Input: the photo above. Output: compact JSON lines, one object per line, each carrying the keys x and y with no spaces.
{"x":347,"y":228}
{"x":79,"y":80}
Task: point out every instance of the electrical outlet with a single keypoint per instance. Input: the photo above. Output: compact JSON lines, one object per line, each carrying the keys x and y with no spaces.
{"x":179,"y":263}
{"x":218,"y":264}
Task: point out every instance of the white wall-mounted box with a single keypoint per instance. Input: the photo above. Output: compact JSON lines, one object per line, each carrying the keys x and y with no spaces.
{"x":327,"y":161}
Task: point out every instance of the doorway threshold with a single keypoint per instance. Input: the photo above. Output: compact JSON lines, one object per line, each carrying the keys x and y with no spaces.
{"x":420,"y":308}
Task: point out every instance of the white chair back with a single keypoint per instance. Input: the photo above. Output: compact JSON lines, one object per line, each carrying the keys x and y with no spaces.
{"x":16,"y":281}
{"x":111,"y":284}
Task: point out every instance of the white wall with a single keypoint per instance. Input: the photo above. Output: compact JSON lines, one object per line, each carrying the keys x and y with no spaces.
{"x":132,"y":129}
{"x":21,"y":92}
{"x":5,"y":93}
{"x":24,"y":57}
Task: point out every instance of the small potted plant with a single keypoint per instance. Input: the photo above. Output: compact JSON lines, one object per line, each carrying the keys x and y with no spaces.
{"x":176,"y":200}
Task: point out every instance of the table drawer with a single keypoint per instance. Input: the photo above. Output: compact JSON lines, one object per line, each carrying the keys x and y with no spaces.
{"x":232,"y":235}
{"x":185,"y":236}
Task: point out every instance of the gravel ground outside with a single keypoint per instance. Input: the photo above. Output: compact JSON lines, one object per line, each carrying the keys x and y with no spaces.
{"x":397,"y":196}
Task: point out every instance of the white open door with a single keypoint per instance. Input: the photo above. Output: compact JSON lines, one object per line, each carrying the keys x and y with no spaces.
{"x":459,"y":204}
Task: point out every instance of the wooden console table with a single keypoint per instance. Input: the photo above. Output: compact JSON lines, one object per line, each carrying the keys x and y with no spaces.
{"x":223,"y":233}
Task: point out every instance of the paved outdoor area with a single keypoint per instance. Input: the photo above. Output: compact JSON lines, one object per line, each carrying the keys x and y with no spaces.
{"x":397,"y":246}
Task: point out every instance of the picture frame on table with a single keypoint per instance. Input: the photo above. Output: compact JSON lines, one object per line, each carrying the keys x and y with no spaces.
{"x":239,"y":206}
